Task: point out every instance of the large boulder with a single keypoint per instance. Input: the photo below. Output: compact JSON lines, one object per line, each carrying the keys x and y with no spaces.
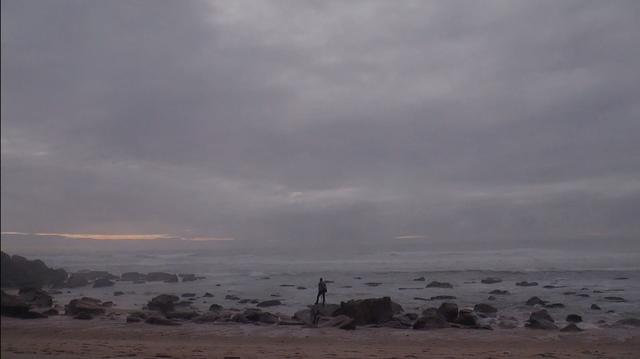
{"x":484,"y":308}
{"x":76,"y":281}
{"x":84,"y":305}
{"x":369,"y":311}
{"x":14,"y":306}
{"x":162,"y":277}
{"x":541,"y":320}
{"x":431,"y":319}
{"x":163,"y":303}
{"x":36,"y":297}
{"x":17,"y":271}
{"x":467,"y":318}
{"x":449,"y":311}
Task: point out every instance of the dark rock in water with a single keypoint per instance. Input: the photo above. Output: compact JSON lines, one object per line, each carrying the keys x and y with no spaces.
{"x":449,"y":311}
{"x":133,"y":277}
{"x":188,"y":295}
{"x":357,"y":277}
{"x":574,"y":318}
{"x":569,"y":293}
{"x":84,"y":305}
{"x":553,"y":286}
{"x":615,"y":299}
{"x":92,"y":275}
{"x":614,"y":290}
{"x":527,"y":284}
{"x":430,"y":319}
{"x":83,"y":316}
{"x":491,"y":280}
{"x":269,"y":303}
{"x":231,"y":297}
{"x":287,"y":285}
{"x":611,"y":311}
{"x":629,"y":322}
{"x":372,"y":284}
{"x":491,"y":297}
{"x":162,"y":277}
{"x":215,"y":308}
{"x":571,"y":328}
{"x":442,"y":297}
{"x":369,"y":311}
{"x":485,"y":308}
{"x":163,"y":303}
{"x":339,"y":321}
{"x":420,"y":298}
{"x":275,"y":295}
{"x":583,"y":295}
{"x":208,"y":295}
{"x":301,"y":287}
{"x":188,"y":277}
{"x":541,"y":320}
{"x":597,"y":291}
{"x":118,"y":293}
{"x":161,"y":321}
{"x":420,"y":279}
{"x":102,"y":282}
{"x":17,"y":271}
{"x":620,"y":278}
{"x":36,"y":297}
{"x":595,"y":307}
{"x":467,"y":317}
{"x":535,"y":301}
{"x":14,"y":306}
{"x":76,"y":281}
{"x":410,"y":288}
{"x":554,"y":305}
{"x":499,"y":292}
{"x":436,"y":284}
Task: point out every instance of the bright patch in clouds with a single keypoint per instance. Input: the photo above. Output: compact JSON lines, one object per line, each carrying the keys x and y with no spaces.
{"x":121,"y":237}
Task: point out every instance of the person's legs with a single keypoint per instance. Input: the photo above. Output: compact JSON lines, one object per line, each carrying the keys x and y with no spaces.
{"x":323,"y":298}
{"x":317,"y":297}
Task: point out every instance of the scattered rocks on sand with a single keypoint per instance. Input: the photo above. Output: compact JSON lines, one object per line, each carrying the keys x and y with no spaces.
{"x":84,"y":305}
{"x":253,"y":315}
{"x":436,"y":284}
{"x":163,"y":303}
{"x":491,"y":280}
{"x":17,"y":271}
{"x":83,"y":316}
{"x":615,"y":299}
{"x":208,"y":317}
{"x":571,"y":328}
{"x":526,"y":284}
{"x":573,"y":318}
{"x":535,"y":301}
{"x":485,"y":309}
{"x":541,"y":320}
{"x":269,"y":303}
{"x":102,"y":282}
{"x":182,"y":310}
{"x":499,"y":292}
{"x":370,"y":311}
{"x":595,"y":307}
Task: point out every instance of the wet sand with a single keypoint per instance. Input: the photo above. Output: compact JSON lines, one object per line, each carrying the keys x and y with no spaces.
{"x":63,"y":337}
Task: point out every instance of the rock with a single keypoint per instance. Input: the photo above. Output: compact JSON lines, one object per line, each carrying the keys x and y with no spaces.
{"x":615,"y":299}
{"x":231,"y":297}
{"x":76,"y":281}
{"x":573,"y":318}
{"x":290,"y":322}
{"x":93,"y":275}
{"x":527,"y":284}
{"x":442,"y":297}
{"x":108,"y":304}
{"x":369,"y":311}
{"x":430,"y":319}
{"x":436,"y":284}
{"x":160,"y":321}
{"x":583,"y":295}
{"x":118,"y":293}
{"x":188,"y":277}
{"x":287,"y":285}
{"x":186,"y":313}
{"x":554,"y":305}
{"x":208,"y":317}
{"x":208,"y":295}
{"x":491,"y":297}
{"x":215,"y":308}
{"x":628,"y":322}
{"x":467,"y":318}
{"x":84,"y":305}
{"x":164,"y":303}
{"x":162,"y":277}
{"x":535,"y":301}
{"x":304,"y":316}
{"x":597,"y":291}
{"x":14,"y":306}
{"x":553,"y":286}
{"x":255,"y":316}
{"x":620,"y":278}
{"x":571,"y":328}
{"x":485,"y":308}
{"x":595,"y":307}
{"x":36,"y":297}
{"x":420,"y":298}
{"x":491,"y":280}
{"x":51,"y":312}
{"x":340,"y":321}
{"x":188,"y":295}
{"x":269,"y":303}
{"x":420,"y":279}
{"x":499,"y":292}
{"x":541,"y":320}
{"x":102,"y":282}
{"x":410,"y":288}
{"x":132,"y":319}
{"x":372,"y":284}
{"x":301,"y":287}
{"x":17,"y":271}
{"x":449,"y":311}
{"x":83,"y":316}
{"x":133,"y":277}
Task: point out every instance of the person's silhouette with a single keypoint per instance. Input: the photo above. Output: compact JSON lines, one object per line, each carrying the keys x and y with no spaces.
{"x":322,"y":289}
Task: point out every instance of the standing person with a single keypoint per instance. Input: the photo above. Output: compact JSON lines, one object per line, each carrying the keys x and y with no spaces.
{"x":322,"y":289}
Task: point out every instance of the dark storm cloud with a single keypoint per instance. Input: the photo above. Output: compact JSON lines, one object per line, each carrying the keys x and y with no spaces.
{"x":455,"y":120}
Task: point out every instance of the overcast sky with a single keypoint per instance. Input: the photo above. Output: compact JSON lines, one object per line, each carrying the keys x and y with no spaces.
{"x":315,"y":121}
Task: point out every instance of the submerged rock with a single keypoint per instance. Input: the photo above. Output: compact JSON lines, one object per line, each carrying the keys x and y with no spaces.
{"x":372,"y":284}
{"x":595,"y":307}
{"x":615,"y":299}
{"x":499,"y":292}
{"x":491,"y":280}
{"x":554,"y":305}
{"x":162,"y":277}
{"x":526,"y":284}
{"x":102,"y":282}
{"x":535,"y":301}
{"x":420,"y":279}
{"x":436,"y":284}
{"x":133,"y":277}
{"x":269,"y":303}
{"x":442,"y":297}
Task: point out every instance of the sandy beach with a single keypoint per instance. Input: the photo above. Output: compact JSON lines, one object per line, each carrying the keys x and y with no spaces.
{"x":64,"y":337}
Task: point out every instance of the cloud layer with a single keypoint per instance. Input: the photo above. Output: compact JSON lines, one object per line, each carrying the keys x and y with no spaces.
{"x":321,"y":121}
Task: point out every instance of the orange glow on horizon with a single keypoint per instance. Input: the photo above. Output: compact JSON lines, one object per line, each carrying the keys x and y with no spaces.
{"x":121,"y":237}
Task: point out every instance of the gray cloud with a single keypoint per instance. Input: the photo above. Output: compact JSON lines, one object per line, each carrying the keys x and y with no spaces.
{"x":312,"y":121}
